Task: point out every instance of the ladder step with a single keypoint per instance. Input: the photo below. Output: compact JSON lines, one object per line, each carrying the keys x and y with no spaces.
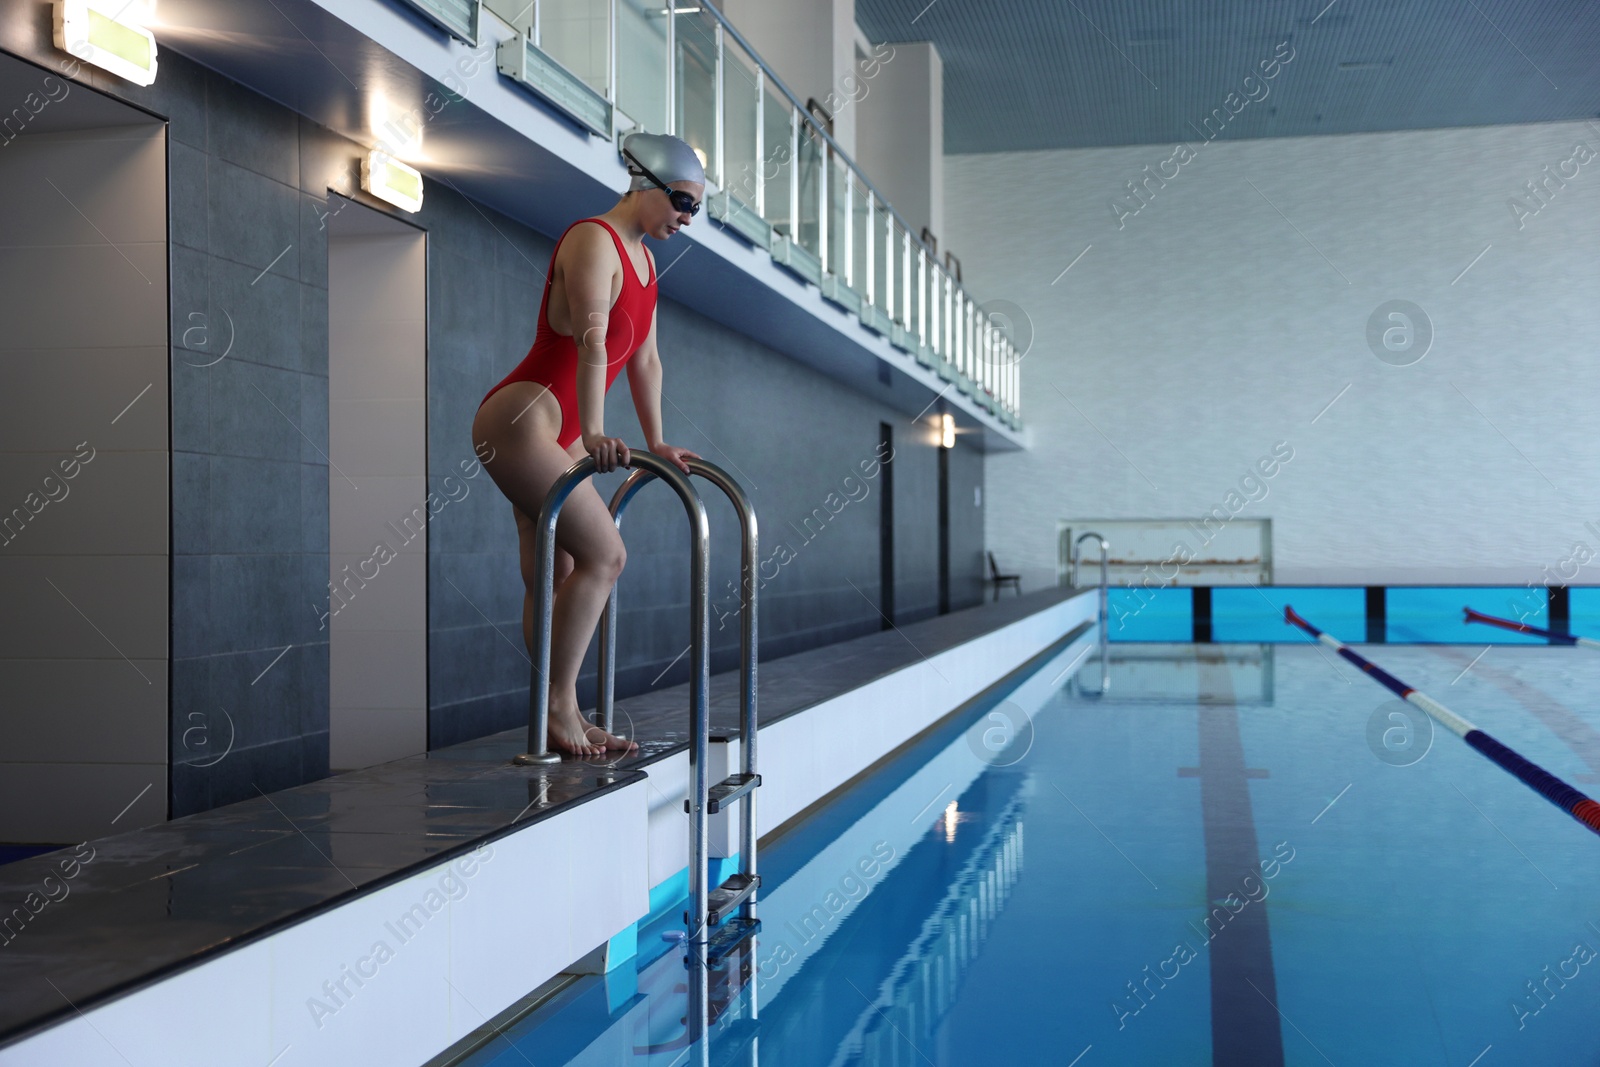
{"x":730,"y":789}
{"x":729,"y":936}
{"x":731,"y":1042}
{"x":724,"y":900}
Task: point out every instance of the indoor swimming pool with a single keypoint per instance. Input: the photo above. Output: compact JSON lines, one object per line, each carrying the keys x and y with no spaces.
{"x":1242,"y":854}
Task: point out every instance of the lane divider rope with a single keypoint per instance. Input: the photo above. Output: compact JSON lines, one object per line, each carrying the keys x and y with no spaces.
{"x":1524,"y":628}
{"x":1541,"y":781}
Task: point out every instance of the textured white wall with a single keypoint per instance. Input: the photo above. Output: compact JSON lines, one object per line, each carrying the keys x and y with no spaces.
{"x":1226,"y":314}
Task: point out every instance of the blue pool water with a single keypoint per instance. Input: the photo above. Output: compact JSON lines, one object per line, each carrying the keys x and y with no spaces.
{"x":1243,"y":854}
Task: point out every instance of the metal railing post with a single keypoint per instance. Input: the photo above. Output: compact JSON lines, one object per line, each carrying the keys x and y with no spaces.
{"x":749,"y":583}
{"x":1103,"y":600}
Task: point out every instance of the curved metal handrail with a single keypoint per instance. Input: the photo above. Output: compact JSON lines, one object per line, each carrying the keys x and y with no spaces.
{"x":749,"y":556}
{"x":699,"y":580}
{"x":1103,"y":601}
{"x":649,"y":466}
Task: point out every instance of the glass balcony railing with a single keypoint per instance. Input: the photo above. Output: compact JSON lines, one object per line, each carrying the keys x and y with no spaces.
{"x":775,"y":175}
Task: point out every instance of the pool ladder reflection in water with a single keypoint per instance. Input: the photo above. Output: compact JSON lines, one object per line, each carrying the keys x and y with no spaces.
{"x":1102,"y":609}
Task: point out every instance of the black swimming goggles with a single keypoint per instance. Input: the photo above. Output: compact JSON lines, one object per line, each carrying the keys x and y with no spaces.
{"x":682,"y":202}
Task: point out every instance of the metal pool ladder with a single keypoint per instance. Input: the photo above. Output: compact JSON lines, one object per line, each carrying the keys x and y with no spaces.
{"x":720,"y":919}
{"x":1103,"y":601}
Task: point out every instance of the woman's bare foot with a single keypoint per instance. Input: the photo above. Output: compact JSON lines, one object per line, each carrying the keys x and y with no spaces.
{"x":611,"y":742}
{"x":567,"y":733}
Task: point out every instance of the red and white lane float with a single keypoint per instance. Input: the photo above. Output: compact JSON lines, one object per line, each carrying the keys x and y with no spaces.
{"x":1541,"y":781}
{"x":1532,"y":631}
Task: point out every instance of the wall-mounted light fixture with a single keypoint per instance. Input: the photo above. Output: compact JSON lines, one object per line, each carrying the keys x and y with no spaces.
{"x":392,"y":181}
{"x":110,"y":35}
{"x":947,"y":430}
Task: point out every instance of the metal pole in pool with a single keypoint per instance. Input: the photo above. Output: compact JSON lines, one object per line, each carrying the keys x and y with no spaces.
{"x":1103,"y":601}
{"x":1541,"y":781}
{"x":1533,"y":631}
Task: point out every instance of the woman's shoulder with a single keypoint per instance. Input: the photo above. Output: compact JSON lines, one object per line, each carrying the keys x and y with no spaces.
{"x":587,"y":240}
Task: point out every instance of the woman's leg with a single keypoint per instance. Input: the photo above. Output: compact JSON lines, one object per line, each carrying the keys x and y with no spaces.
{"x":526,"y":550}
{"x":524,"y":462}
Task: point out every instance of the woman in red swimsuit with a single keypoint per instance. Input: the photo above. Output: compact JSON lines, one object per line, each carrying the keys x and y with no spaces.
{"x":597,"y":315}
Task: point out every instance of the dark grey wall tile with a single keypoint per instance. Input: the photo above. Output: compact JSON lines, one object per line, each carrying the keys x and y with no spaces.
{"x":314,"y":532}
{"x":252,"y":316}
{"x":462,"y":584}
{"x":187,"y":176}
{"x":261,"y":601}
{"x":313,"y":211}
{"x":190,"y":298}
{"x":254,"y":219}
{"x":312,"y":664}
{"x":252,"y":132}
{"x":255,"y":411}
{"x":246,"y":506}
{"x":471,"y":660}
{"x":314,"y":329}
{"x":191,"y":608}
{"x":313,"y":420}
{"x":191,"y":503}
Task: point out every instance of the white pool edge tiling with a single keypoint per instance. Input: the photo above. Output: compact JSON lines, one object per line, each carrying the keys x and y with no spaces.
{"x":398,"y":975}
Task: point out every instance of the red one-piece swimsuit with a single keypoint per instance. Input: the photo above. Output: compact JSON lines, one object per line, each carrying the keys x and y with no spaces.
{"x":553,"y":359}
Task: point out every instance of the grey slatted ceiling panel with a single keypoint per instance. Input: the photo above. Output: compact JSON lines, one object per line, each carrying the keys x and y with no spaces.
{"x":1034,"y":74}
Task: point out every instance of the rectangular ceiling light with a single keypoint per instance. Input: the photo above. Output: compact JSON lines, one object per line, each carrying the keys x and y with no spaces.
{"x":392,"y":181}
{"x":107,"y":34}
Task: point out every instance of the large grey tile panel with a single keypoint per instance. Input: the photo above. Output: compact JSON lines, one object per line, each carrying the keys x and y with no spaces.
{"x":191,"y":503}
{"x":188,"y":178}
{"x":68,"y":802}
{"x":192,"y":633}
{"x":255,"y":220}
{"x":256,"y":411}
{"x":115,"y":505}
{"x":251,"y":316}
{"x":315,"y":428}
{"x":86,"y":187}
{"x":85,"y":607}
{"x":126,"y":286}
{"x":255,"y":505}
{"x":253,"y":132}
{"x":314,"y":532}
{"x":191,"y":404}
{"x":85,"y":711}
{"x":314,"y":330}
{"x":55,"y":399}
{"x":260,"y":602}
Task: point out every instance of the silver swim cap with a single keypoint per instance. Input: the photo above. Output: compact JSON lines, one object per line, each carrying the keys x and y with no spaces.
{"x":665,"y":156}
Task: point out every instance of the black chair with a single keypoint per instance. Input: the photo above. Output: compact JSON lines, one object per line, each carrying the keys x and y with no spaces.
{"x":1000,"y":580}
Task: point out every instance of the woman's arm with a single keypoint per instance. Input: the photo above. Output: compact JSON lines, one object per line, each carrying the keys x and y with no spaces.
{"x":644,"y":381}
{"x":588,"y":275}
